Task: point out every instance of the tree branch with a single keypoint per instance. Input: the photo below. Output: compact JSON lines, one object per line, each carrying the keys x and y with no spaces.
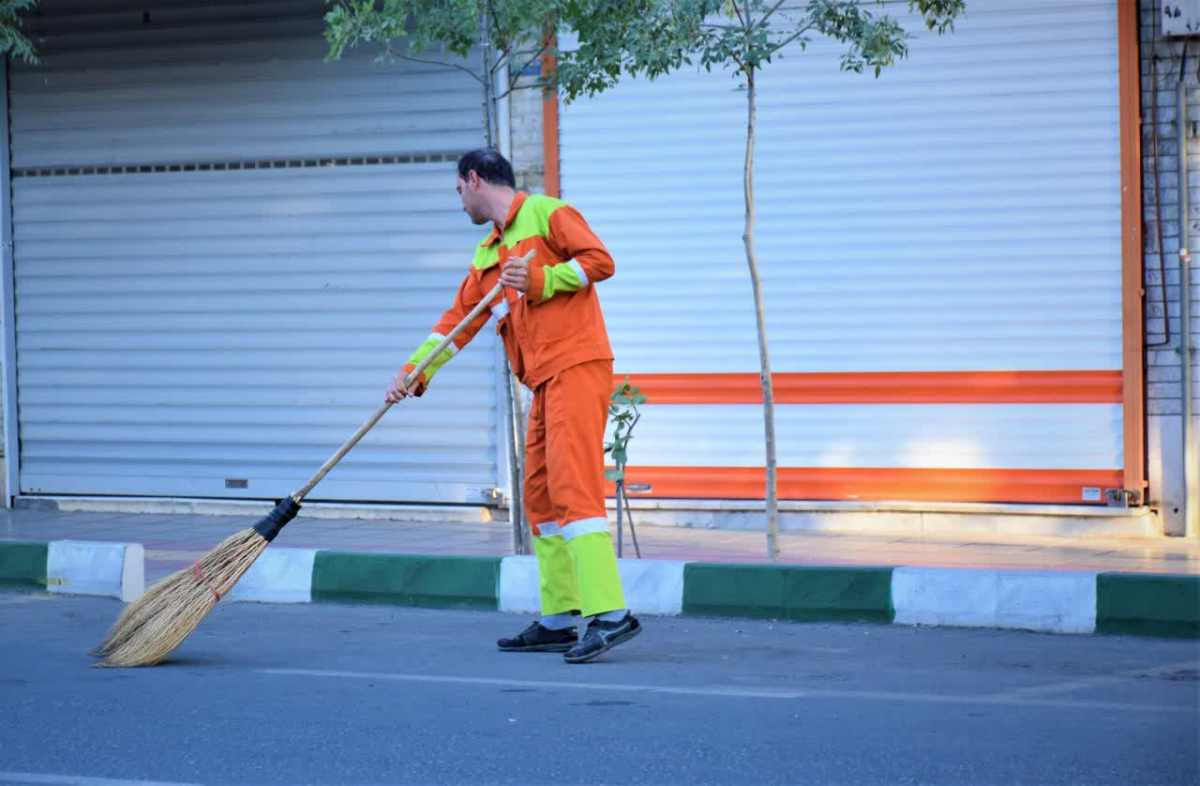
{"x":737,"y":10}
{"x":769,"y":13}
{"x":515,"y":88}
{"x":741,"y":66}
{"x":491,"y":9}
{"x":493,"y":67}
{"x":791,"y":38}
{"x":512,"y":78}
{"x":393,"y":53}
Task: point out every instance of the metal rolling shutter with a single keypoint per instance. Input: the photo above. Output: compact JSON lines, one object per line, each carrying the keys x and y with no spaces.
{"x":960,"y":214}
{"x":225,"y":247}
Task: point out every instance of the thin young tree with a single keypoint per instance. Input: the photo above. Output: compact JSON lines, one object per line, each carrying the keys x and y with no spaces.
{"x":510,"y":35}
{"x":741,"y":36}
{"x":651,"y":38}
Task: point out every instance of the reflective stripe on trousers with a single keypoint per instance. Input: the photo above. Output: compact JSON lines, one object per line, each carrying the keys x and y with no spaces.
{"x":564,"y":489}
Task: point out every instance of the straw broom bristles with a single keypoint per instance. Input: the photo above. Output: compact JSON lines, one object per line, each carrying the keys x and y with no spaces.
{"x":155,"y":624}
{"x":151,"y":627}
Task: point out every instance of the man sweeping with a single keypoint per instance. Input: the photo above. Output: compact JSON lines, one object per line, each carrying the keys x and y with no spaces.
{"x":553,"y":331}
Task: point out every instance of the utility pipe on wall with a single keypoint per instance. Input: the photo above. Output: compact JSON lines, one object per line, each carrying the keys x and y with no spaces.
{"x":1186,"y":351}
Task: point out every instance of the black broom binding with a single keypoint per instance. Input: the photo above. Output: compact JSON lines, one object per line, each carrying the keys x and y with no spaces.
{"x":269,"y":525}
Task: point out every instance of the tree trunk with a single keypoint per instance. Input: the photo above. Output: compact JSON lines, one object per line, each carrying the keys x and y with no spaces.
{"x":516,"y":511}
{"x":764,"y":356}
{"x":516,"y":407}
{"x":488,"y":100}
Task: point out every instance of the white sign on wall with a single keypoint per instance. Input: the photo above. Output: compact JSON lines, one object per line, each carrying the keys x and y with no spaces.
{"x":1181,"y":17}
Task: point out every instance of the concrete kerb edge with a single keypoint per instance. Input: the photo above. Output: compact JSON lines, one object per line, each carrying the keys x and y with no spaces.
{"x":1048,"y":601}
{"x":1077,"y":602}
{"x":1148,"y":604}
{"x":425,"y":580}
{"x":76,"y":567}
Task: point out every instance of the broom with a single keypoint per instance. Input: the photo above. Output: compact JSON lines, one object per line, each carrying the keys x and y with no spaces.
{"x":150,"y":628}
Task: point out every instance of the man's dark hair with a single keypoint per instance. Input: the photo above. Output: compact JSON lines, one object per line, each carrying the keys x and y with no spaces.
{"x":489,"y":165}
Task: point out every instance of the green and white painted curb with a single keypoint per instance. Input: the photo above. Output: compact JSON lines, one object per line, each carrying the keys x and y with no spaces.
{"x":75,"y":566}
{"x":283,"y":575}
{"x":802,"y":593}
{"x":279,"y":575}
{"x":1049,"y":601}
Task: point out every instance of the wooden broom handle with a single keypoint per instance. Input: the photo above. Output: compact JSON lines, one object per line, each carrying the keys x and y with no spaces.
{"x":408,"y":382}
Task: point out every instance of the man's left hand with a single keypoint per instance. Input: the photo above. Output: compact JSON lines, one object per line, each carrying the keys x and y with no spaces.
{"x":515,"y":274}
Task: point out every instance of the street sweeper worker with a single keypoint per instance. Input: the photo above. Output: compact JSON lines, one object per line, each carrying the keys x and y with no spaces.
{"x":549,"y":319}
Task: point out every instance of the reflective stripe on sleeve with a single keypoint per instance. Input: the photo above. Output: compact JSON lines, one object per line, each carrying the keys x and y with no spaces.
{"x":437,"y":337}
{"x":583,"y":279}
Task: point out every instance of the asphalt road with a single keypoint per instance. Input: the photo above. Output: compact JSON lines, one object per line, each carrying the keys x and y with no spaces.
{"x":369,"y":694}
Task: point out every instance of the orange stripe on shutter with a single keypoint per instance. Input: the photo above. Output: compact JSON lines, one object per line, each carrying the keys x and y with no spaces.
{"x":901,"y":387}
{"x":1062,"y":486}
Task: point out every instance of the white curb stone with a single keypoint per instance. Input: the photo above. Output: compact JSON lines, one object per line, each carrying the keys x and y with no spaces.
{"x":279,"y":575}
{"x":652,"y":586}
{"x":115,"y":570}
{"x":519,"y":585}
{"x":1058,"y":602}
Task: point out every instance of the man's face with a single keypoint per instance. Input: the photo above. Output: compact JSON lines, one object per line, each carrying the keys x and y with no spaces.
{"x":472,"y":200}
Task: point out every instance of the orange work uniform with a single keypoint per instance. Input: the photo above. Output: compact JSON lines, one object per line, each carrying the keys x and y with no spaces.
{"x":558,"y":346}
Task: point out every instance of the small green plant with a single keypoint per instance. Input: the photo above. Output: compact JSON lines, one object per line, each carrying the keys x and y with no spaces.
{"x":623,"y":414}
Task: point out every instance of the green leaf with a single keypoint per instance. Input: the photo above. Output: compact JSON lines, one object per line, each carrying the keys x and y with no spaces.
{"x":12,"y":39}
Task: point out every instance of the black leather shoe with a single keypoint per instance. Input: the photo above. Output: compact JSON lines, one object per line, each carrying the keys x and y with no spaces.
{"x":603,"y":636}
{"x":536,"y":638}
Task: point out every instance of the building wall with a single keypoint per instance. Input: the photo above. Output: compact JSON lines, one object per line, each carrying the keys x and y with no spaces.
{"x":1160,"y":67}
{"x":525,"y":118}
{"x":200,"y":201}
{"x":958,"y":218}
{"x":1160,"y":61}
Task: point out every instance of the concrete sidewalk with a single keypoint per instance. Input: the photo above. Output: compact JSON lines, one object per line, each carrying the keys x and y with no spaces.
{"x":1055,"y":584}
{"x":175,"y":541}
